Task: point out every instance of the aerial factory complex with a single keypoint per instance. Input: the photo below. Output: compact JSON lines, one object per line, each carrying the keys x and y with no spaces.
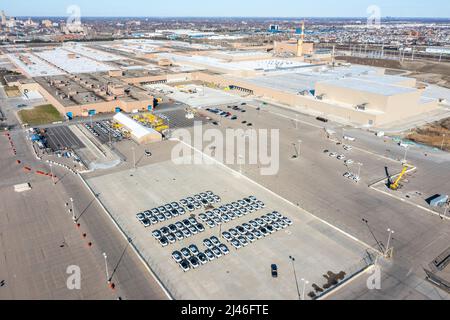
{"x":96,"y":169}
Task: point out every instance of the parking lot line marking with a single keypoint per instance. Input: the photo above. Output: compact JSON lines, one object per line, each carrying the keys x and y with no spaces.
{"x":287,"y":117}
{"x":155,"y":277}
{"x":280,"y":197}
{"x":320,"y":127}
{"x":410,"y":203}
{"x":374,"y":185}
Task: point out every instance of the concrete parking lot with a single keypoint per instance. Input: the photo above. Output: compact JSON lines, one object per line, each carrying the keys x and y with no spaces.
{"x":244,"y":274}
{"x":315,"y":181}
{"x":38,"y":240}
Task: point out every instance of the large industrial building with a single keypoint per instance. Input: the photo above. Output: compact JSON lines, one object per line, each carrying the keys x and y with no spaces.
{"x":359,"y":95}
{"x":81,"y":80}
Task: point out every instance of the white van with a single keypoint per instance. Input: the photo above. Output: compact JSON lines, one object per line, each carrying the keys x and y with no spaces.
{"x":349,"y":138}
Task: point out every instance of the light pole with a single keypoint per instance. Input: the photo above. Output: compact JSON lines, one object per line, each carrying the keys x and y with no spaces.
{"x":108,"y":280}
{"x":51,"y":172}
{"x":373,"y":235}
{"x":295,"y":156}
{"x":297,"y":151}
{"x":305,"y":282}
{"x":406,"y":153}
{"x":240,"y":163}
{"x":73,"y":211}
{"x":445,"y":210}
{"x":295,"y":275}
{"x":168,"y":124}
{"x":359,"y":170}
{"x":134,"y":158}
{"x":443,"y":140}
{"x":391,"y":232}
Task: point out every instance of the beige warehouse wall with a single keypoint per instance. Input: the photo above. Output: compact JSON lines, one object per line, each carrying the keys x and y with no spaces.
{"x":392,"y":109}
{"x":406,"y":106}
{"x":351,"y":96}
{"x":292,"y":99}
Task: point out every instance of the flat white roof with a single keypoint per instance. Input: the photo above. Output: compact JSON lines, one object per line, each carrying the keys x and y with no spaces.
{"x":137,"y":129}
{"x":60,"y":58}
{"x":91,"y":53}
{"x":243,"y":53}
{"x":296,"y":80}
{"x":37,"y":68}
{"x":211,"y":62}
{"x":370,"y":86}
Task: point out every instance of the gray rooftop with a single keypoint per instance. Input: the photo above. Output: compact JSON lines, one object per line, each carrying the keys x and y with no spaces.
{"x":370,"y":86}
{"x":306,"y":79}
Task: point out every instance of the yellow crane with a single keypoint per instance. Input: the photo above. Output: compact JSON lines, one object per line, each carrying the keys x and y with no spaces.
{"x":395,"y":185}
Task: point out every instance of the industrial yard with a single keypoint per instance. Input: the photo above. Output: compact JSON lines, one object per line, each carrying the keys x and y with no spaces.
{"x":356,"y":153}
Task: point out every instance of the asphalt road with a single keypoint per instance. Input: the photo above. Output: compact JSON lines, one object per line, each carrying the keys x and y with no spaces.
{"x":39,"y":240}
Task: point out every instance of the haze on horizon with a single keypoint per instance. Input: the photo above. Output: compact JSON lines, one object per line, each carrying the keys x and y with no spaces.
{"x":230,"y":8}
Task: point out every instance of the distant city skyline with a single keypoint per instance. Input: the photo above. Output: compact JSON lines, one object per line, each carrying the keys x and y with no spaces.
{"x":229,"y":8}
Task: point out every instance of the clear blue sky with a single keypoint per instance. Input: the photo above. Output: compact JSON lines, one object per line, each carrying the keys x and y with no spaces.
{"x":230,"y":8}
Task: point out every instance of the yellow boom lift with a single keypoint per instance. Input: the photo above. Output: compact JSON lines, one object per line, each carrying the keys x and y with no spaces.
{"x":396,"y":184}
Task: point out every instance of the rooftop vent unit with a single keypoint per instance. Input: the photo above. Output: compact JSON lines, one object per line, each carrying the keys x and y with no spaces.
{"x":320,"y":97}
{"x":304,"y":93}
{"x":361,"y":107}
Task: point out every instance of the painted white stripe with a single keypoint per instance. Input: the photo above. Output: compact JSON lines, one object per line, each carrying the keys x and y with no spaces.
{"x":279,"y":197}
